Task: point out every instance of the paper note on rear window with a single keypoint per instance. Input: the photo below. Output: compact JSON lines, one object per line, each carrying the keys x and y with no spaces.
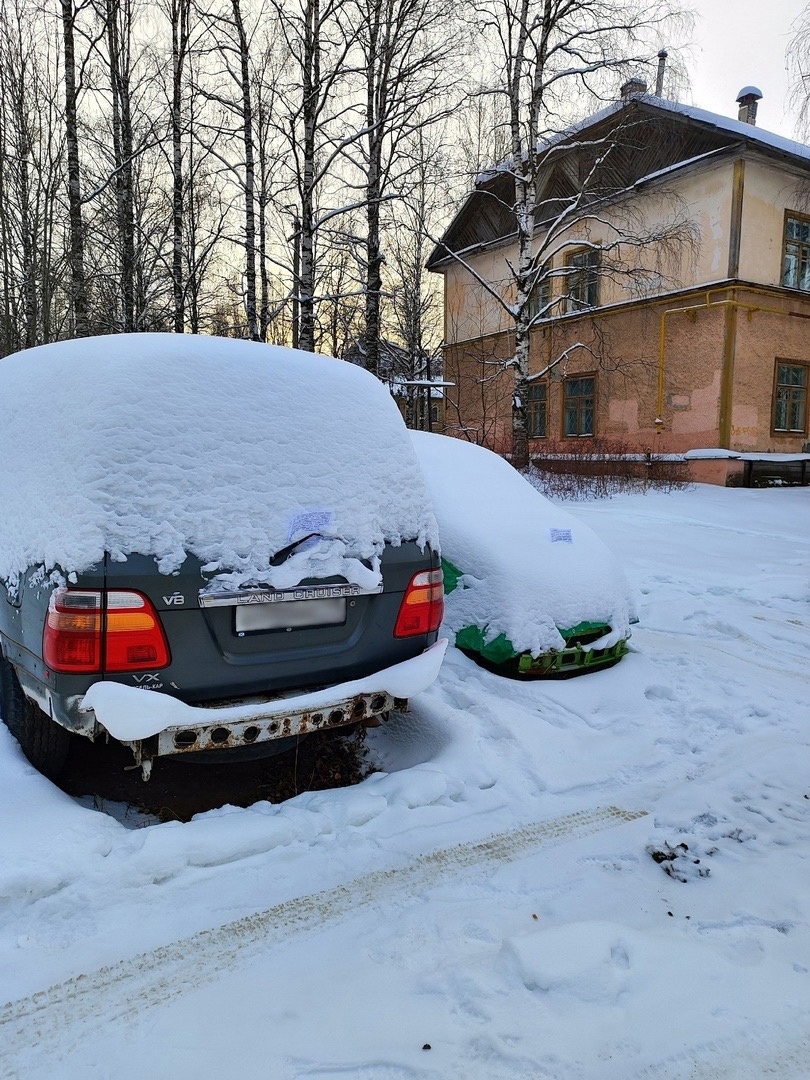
{"x":311,"y":521}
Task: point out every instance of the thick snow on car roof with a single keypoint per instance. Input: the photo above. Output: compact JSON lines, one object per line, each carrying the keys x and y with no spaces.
{"x":164,"y":443}
{"x":530,"y":568}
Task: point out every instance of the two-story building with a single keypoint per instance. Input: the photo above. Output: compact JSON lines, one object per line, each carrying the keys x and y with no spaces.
{"x":701,"y":343}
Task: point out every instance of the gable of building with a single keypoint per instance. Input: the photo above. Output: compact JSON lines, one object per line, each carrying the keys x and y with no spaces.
{"x":646,"y":136}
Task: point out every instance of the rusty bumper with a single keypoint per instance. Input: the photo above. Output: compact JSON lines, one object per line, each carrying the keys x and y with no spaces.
{"x":259,"y":729}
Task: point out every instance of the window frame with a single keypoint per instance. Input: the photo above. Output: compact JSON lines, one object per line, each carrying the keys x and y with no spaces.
{"x":585,"y":277}
{"x":541,"y":295}
{"x":804,"y":365}
{"x":533,"y":412}
{"x":579,"y":377}
{"x":803,"y":246}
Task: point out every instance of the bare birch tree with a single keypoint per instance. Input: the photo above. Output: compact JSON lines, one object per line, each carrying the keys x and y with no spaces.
{"x":31,"y":181}
{"x":79,"y":303}
{"x":227,"y":77}
{"x":179,"y":13}
{"x":408,"y":48}
{"x":117,"y":18}
{"x":415,"y":303}
{"x":270,"y":180}
{"x":798,"y":66}
{"x":313,"y":118}
{"x":244,"y":81}
{"x":551,"y":57}
{"x":125,"y":178}
{"x":193,"y":199}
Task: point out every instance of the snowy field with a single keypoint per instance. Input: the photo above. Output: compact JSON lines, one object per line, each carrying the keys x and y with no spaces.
{"x":486,"y":905}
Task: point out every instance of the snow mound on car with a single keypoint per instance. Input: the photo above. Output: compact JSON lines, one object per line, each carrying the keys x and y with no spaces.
{"x":530,"y":569}
{"x":165,"y":444}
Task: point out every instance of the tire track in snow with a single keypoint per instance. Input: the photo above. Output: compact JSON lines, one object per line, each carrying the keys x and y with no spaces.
{"x":51,"y":1019}
{"x":772,"y":1050}
{"x":715,"y":644}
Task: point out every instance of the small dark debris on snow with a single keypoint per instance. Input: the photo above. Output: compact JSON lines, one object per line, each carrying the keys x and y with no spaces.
{"x":427,"y":1046}
{"x":669,"y":854}
{"x":677,"y":862}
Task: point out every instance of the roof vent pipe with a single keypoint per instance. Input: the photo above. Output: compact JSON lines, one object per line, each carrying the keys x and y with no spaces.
{"x":659,"y":79}
{"x":633,"y":88}
{"x":747,"y":100}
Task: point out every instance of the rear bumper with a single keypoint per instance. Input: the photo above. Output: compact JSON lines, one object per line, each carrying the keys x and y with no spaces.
{"x":268,"y":726}
{"x":155,"y":725}
{"x":571,"y":661}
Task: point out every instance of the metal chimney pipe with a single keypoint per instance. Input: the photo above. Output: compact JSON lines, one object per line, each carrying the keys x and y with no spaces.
{"x":659,"y":80}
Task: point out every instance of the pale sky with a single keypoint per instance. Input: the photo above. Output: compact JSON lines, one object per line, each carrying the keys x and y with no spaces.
{"x":740,"y":43}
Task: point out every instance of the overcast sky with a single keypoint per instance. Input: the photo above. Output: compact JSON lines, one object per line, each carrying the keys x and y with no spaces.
{"x":740,"y":43}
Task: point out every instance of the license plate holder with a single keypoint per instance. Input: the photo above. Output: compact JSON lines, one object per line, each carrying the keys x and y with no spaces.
{"x":291,"y":615}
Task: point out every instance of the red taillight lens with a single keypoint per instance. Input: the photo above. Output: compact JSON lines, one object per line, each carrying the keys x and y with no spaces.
{"x":134,"y":637}
{"x":72,"y":637}
{"x":85,"y":634}
{"x":422,"y":605}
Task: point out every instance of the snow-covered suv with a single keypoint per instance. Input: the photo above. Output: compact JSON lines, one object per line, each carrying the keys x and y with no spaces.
{"x":206,"y":545}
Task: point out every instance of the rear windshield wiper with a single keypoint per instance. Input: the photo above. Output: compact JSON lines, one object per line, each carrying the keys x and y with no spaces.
{"x":284,"y":553}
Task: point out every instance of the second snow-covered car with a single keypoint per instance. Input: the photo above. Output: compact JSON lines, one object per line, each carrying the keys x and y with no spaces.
{"x":206,"y":546}
{"x":531,"y":591}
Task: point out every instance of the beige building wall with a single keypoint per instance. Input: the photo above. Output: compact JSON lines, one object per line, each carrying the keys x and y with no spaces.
{"x":769,"y":329}
{"x":715,"y":371}
{"x":691,"y":369}
{"x":768,"y":191}
{"x":471,"y":311}
{"x":699,"y":199}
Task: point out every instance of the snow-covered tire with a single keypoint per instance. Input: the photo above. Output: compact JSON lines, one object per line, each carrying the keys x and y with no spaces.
{"x":45,"y":743}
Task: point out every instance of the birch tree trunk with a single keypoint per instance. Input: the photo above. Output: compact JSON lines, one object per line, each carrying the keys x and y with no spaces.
{"x":119,"y":36}
{"x":415,"y":304}
{"x":31,"y":179}
{"x":250,"y":174}
{"x":78,"y":282}
{"x":374,"y":255}
{"x":179,"y":18}
{"x":310,"y":108}
{"x":314,"y":120}
{"x":408,"y":49}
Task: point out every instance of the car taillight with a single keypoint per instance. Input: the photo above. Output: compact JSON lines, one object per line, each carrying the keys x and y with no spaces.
{"x":72,"y":638}
{"x":422,"y":605}
{"x":90,"y":631}
{"x":134,"y":637}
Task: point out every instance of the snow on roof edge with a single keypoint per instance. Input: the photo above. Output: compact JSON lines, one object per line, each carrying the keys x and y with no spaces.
{"x":717,"y":120}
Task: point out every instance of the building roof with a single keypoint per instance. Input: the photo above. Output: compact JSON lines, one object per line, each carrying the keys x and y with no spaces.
{"x":661,"y":135}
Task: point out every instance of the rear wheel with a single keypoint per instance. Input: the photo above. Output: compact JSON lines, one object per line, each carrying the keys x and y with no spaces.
{"x":44,"y":742}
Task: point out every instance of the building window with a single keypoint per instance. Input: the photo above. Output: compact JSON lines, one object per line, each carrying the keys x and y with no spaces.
{"x":540,"y":296}
{"x":579,"y":413}
{"x":790,"y":398}
{"x":536,"y":412}
{"x":582,"y":281}
{"x":796,"y":268}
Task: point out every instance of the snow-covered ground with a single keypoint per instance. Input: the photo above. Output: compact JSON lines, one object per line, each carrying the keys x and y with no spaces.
{"x":485,"y":905}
